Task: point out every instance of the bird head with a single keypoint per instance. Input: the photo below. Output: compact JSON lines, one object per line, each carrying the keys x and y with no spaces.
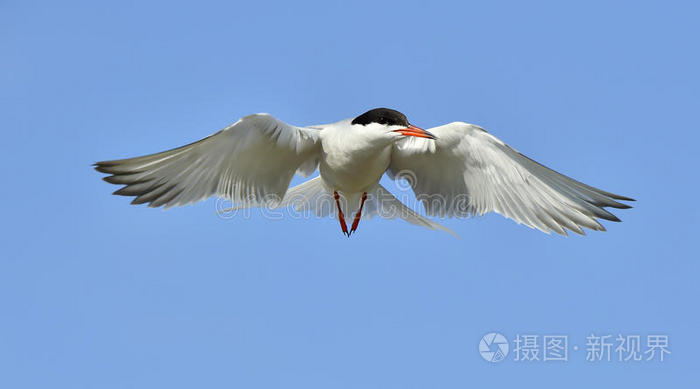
{"x":391,"y":122}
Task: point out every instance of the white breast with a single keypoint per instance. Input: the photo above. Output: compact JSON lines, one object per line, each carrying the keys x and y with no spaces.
{"x":354,"y":158}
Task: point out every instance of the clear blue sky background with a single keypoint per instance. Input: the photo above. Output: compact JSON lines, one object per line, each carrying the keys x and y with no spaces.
{"x":95,"y":293}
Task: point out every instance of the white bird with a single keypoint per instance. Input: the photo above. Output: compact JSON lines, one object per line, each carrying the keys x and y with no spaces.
{"x":455,"y":170}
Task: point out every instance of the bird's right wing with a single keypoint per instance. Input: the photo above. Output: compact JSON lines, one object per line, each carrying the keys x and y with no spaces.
{"x":468,"y":171}
{"x":250,"y":162}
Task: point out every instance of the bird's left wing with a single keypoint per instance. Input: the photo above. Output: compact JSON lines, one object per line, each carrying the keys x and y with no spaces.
{"x":250,"y":162}
{"x":467,"y":171}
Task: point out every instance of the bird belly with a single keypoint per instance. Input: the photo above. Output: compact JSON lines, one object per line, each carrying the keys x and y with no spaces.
{"x":354,"y":171}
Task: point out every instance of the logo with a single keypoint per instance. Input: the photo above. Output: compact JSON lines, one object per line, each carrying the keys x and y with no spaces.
{"x":493,"y":347}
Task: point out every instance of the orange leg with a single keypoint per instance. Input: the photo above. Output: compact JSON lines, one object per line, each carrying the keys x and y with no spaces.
{"x":358,"y":215}
{"x":341,"y":217}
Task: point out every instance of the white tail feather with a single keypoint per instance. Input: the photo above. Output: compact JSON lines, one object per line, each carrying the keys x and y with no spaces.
{"x":315,"y":197}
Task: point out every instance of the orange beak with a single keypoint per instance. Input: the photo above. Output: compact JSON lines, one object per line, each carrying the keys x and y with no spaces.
{"x":415,"y":131}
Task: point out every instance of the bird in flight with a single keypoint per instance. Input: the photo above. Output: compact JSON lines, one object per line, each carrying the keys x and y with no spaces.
{"x":455,"y":170}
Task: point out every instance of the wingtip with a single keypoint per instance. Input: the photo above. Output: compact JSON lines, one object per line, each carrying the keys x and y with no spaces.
{"x":101,"y":167}
{"x":111,"y":180}
{"x":613,"y":218}
{"x":624,"y":206}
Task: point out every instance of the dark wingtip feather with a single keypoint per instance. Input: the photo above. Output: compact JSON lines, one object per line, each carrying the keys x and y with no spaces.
{"x":613,"y":218}
{"x":619,"y":205}
{"x":107,"y":163}
{"x":103,"y":168}
{"x":623,"y":198}
{"x":112,"y":180}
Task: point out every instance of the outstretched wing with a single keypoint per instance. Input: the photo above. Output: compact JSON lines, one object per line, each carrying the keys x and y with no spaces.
{"x":250,"y":161}
{"x":467,"y":171}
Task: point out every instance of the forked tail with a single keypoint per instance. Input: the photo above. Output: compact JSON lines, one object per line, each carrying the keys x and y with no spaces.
{"x":313,"y":196}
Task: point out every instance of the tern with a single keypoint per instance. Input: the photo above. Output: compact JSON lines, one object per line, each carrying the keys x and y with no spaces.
{"x":454,"y":170}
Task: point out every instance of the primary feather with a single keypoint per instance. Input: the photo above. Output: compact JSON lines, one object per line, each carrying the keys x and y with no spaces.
{"x":251,"y":161}
{"x":467,"y":171}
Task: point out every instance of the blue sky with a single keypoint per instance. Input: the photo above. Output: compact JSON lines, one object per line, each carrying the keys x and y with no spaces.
{"x":95,"y":293}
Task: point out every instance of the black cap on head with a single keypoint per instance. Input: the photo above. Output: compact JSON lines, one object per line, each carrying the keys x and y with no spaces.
{"x":385,"y":116}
